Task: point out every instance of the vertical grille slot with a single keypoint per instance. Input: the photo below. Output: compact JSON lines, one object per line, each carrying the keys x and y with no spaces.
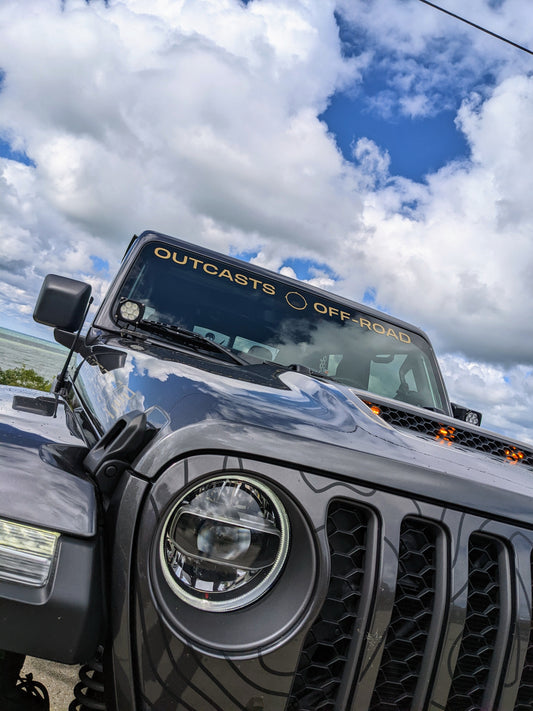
{"x":525,"y":690}
{"x":471,"y":674}
{"x":326,"y":647}
{"x":411,"y":617}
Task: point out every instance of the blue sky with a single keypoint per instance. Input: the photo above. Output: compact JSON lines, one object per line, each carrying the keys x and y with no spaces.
{"x":6,"y":151}
{"x":376,"y":148}
{"x":416,"y":146}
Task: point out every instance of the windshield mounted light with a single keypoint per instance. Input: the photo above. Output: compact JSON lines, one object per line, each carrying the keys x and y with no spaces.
{"x":26,"y":553}
{"x":224,"y":543}
{"x":130,"y":311}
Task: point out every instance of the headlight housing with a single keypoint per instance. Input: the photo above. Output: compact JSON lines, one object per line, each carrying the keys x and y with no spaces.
{"x":224,"y":543}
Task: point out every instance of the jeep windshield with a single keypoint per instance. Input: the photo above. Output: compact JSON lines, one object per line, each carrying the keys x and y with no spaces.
{"x":262,"y":318}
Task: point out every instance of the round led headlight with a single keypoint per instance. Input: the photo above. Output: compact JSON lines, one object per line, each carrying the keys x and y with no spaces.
{"x":224,"y":543}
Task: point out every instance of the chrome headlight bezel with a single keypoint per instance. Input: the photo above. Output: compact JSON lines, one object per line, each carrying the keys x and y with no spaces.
{"x":195,"y":546}
{"x":282,"y":610}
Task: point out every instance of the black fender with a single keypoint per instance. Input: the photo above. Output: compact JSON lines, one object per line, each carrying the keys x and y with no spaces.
{"x":43,"y":485}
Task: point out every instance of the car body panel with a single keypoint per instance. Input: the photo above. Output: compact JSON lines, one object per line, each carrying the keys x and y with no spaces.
{"x":41,"y":477}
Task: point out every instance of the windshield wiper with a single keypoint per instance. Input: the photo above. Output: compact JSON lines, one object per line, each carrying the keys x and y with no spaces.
{"x":189,"y":338}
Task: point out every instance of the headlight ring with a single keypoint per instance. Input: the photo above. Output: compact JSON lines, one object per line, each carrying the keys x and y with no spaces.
{"x":224,"y":543}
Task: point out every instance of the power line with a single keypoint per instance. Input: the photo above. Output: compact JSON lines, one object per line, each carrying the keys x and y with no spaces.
{"x":478,"y":27}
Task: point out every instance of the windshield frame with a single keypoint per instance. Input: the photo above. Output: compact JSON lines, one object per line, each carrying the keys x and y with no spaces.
{"x":105,"y":317}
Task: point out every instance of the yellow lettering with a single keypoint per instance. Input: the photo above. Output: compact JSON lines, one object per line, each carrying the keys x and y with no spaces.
{"x":162,"y":253}
{"x":177,"y":261}
{"x":294,"y":299}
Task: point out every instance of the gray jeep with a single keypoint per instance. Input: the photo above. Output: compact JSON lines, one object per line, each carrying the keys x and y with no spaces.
{"x":245,"y":493}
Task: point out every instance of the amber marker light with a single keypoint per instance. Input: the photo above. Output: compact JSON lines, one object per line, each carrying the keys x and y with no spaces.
{"x":513,"y":455}
{"x":445,"y":434}
{"x":375,"y":409}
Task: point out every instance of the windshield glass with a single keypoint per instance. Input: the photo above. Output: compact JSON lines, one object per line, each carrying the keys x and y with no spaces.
{"x":268,"y":319}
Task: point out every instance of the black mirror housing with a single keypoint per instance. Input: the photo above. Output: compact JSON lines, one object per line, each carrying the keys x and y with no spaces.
{"x":62,"y":303}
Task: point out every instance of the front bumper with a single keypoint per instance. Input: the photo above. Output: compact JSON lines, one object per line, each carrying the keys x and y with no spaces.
{"x":61,"y":620}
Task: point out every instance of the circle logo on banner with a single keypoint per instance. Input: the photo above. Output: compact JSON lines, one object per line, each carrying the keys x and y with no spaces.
{"x":296,"y":300}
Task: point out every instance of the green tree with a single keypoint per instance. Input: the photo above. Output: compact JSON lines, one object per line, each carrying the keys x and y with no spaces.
{"x":24,"y":377}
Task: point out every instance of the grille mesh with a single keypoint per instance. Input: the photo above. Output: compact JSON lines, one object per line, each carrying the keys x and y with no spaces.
{"x":454,"y":434}
{"x":327,"y":663}
{"x":411,"y":618}
{"x":481,"y":626}
{"x":327,"y":644}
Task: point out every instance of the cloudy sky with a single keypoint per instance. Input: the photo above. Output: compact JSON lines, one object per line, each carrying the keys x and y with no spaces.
{"x":380,"y":148}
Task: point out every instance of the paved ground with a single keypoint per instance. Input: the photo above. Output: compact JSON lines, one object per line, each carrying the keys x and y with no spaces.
{"x":59,"y":679}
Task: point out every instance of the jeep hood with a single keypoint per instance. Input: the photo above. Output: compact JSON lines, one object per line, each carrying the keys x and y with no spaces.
{"x":261,"y":410}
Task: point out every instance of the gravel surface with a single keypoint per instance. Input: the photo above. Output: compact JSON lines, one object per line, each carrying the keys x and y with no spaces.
{"x":59,"y":680}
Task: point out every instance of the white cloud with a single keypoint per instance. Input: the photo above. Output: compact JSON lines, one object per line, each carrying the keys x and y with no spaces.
{"x":503,"y":396}
{"x":167,"y":115}
{"x":195,"y":118}
{"x":374,"y":162}
{"x":459,"y":259}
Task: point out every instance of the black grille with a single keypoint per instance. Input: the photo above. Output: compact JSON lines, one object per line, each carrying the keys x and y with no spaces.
{"x":481,"y":626}
{"x":327,"y":644}
{"x":411,"y":618}
{"x":439,"y":630}
{"x":452,"y":433}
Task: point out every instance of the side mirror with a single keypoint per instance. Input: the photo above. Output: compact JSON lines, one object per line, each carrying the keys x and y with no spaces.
{"x":466,"y":415}
{"x":62,"y":303}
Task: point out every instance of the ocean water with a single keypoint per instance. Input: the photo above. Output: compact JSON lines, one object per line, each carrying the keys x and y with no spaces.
{"x":17,"y":349}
